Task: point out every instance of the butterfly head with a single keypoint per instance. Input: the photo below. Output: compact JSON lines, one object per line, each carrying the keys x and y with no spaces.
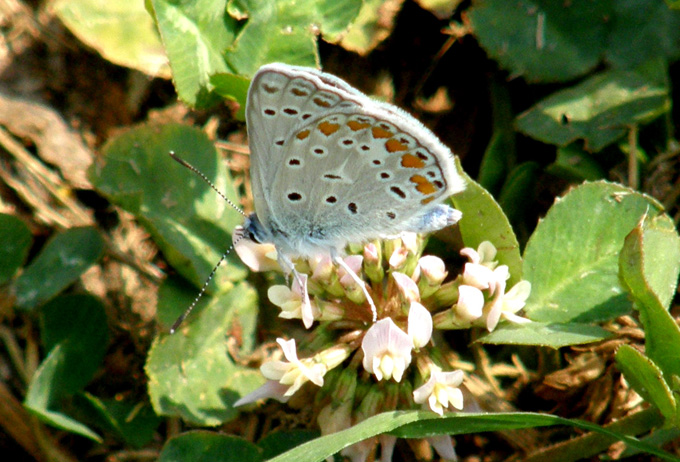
{"x":254,"y":231}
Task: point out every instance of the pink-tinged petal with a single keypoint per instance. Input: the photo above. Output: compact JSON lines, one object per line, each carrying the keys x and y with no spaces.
{"x":371,"y":254}
{"x":471,"y":254}
{"x":478,"y":276}
{"x":398,"y":257}
{"x":444,"y":447}
{"x":306,"y":308}
{"x":387,"y":443}
{"x":470,"y":303}
{"x":271,"y":389}
{"x":407,"y":287}
{"x":257,"y":257}
{"x":354,"y":262}
{"x":322,"y":267}
{"x":431,"y":268}
{"x":495,"y":307}
{"x":499,"y":279}
{"x":419,"y":325}
{"x":422,"y":393}
{"x":387,"y":350}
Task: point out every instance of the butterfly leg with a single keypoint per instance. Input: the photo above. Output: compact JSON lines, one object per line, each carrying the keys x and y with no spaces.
{"x":337,"y":259}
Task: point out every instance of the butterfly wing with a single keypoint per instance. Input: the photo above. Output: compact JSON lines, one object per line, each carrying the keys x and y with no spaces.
{"x":340,"y":167}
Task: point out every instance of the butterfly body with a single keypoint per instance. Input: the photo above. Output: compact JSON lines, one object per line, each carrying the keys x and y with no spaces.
{"x":330,"y":166}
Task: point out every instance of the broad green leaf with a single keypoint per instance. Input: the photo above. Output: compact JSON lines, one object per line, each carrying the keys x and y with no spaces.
{"x":195,"y":35}
{"x":495,"y":165}
{"x":59,"y":264}
{"x":373,"y":24}
{"x":277,"y":442}
{"x":639,"y":254}
{"x":133,"y":423}
{"x":571,"y":259}
{"x":204,"y":446}
{"x":543,"y":334}
{"x":75,"y":332}
{"x":286,"y":30}
{"x":15,"y":242}
{"x":519,"y":191}
{"x":191,"y":373}
{"x":122,"y":32}
{"x":232,"y":87}
{"x":647,"y":380}
{"x":641,"y":30}
{"x":543,"y":40}
{"x":576,"y":165}
{"x":421,"y":424}
{"x":189,"y":221}
{"x":484,"y":220}
{"x":675,"y":4}
{"x":600,"y":109}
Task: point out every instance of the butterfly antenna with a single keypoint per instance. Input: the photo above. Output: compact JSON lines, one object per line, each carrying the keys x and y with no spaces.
{"x":210,"y":183}
{"x":184,"y":315}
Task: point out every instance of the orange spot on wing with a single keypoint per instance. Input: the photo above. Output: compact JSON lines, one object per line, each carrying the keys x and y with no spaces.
{"x":423,"y":185}
{"x":321,"y":102}
{"x":328,"y":128}
{"x":427,"y":200}
{"x":298,"y":92}
{"x":395,"y":146}
{"x":379,"y":132}
{"x":355,"y":126}
{"x":302,"y":135}
{"x":411,"y":161}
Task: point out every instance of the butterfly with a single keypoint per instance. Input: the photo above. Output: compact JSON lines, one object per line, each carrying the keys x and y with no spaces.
{"x":330,"y":166}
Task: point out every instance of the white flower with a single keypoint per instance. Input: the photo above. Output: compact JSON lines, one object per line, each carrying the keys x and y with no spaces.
{"x":354,"y":262}
{"x":271,"y":389}
{"x":257,"y":257}
{"x":398,"y":257}
{"x":431,"y":268}
{"x":505,"y":305}
{"x":419,"y":325}
{"x":441,"y":390}
{"x":294,"y":303}
{"x":293,"y":373}
{"x":470,"y":303}
{"x":407,"y":287}
{"x":479,"y":271}
{"x":387,"y":350}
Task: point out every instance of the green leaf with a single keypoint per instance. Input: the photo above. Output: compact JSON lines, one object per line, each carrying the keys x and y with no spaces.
{"x":277,"y":442}
{"x":204,"y":446}
{"x":191,"y":224}
{"x":495,"y":164}
{"x":191,"y":373}
{"x":195,"y":35}
{"x":519,"y":191}
{"x":133,"y":423}
{"x":421,"y":424}
{"x":639,"y":255}
{"x":15,"y":242}
{"x":647,"y":380}
{"x":75,"y":332}
{"x":599,"y":109}
{"x":59,"y":264}
{"x":373,"y":24}
{"x":544,"y":334}
{"x":571,"y":259}
{"x":286,"y":30}
{"x":234,"y":88}
{"x":641,"y":30}
{"x":575,"y":165}
{"x":484,"y":220}
{"x":543,"y":40}
{"x":122,"y":32}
